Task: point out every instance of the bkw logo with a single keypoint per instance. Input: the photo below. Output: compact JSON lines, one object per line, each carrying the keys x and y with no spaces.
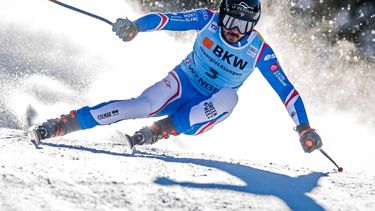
{"x":224,"y":55}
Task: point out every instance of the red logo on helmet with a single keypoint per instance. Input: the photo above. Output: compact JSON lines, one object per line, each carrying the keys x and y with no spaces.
{"x":274,"y":67}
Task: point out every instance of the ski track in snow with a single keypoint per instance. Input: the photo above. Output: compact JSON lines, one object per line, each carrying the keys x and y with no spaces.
{"x":69,"y":174}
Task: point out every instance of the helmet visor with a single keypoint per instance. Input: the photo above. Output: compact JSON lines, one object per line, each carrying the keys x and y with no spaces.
{"x":230,"y":22}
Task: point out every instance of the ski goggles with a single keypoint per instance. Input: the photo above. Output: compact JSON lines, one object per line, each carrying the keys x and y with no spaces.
{"x":244,"y":27}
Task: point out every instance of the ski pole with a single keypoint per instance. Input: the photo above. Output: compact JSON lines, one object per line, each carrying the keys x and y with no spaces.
{"x":339,"y":169}
{"x":82,"y":11}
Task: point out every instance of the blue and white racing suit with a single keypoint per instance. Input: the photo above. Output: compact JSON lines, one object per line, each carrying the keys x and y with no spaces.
{"x":201,"y":91}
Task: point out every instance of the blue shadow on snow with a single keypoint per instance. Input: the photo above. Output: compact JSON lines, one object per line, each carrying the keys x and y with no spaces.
{"x":292,"y":190}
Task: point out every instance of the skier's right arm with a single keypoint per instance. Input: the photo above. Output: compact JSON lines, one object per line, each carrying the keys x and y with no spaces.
{"x":270,"y":68}
{"x":183,"y":21}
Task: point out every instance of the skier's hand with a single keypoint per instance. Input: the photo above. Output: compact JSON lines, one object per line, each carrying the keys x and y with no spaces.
{"x":309,"y":138}
{"x":125,"y":29}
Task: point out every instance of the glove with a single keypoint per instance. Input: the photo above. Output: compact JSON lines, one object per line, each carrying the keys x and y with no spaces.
{"x":125,"y":29}
{"x":309,"y":138}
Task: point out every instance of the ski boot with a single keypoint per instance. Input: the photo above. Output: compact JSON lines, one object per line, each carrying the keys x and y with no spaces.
{"x":54,"y":127}
{"x":161,"y":129}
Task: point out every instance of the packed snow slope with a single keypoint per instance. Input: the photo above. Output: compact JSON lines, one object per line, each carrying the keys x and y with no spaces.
{"x":53,"y":60}
{"x":71,"y":174}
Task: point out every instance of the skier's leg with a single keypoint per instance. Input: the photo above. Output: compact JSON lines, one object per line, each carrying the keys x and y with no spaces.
{"x":55,"y":127}
{"x":160,"y":129}
{"x":151,"y":102}
{"x":113,"y":111}
{"x":195,"y":117}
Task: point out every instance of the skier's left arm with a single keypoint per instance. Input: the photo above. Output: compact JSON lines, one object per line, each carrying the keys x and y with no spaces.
{"x":271,"y":69}
{"x":182,"y":21}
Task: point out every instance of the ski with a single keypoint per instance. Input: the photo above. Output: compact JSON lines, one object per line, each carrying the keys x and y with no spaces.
{"x":35,"y":137}
{"x":130,"y":142}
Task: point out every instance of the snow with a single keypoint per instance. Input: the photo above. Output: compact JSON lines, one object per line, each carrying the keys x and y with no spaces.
{"x":80,"y":175}
{"x":252,"y":160}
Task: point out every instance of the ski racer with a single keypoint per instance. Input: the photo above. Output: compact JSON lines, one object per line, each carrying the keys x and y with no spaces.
{"x":201,"y":91}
